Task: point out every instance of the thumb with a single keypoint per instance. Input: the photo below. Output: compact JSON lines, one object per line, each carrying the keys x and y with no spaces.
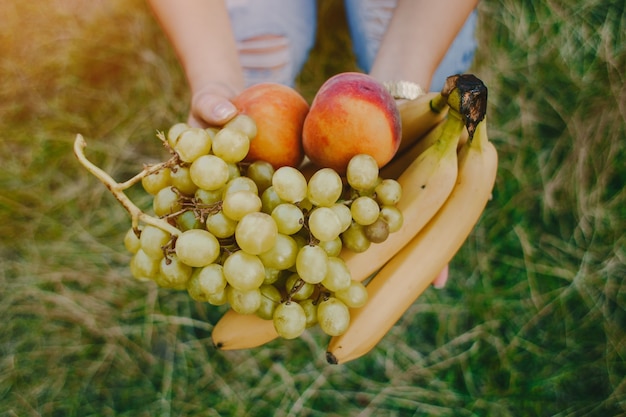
{"x":211,"y":110}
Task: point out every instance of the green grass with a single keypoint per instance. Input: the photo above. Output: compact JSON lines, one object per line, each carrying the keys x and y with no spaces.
{"x":531,"y":324}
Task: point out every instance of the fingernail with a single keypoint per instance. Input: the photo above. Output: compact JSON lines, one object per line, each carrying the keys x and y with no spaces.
{"x":224,"y":111}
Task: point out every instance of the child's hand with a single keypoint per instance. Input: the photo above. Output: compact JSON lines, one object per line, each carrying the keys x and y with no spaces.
{"x":211,"y":106}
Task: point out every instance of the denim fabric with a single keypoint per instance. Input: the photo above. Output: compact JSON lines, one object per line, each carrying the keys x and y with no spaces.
{"x":276,"y":36}
{"x":368,"y":20}
{"x":293,"y":24}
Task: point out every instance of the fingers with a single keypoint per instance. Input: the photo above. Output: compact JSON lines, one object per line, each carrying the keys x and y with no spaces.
{"x":441,"y":279}
{"x":210,"y":109}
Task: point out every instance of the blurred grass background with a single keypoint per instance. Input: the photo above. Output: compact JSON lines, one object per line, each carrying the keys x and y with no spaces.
{"x":531,"y":324}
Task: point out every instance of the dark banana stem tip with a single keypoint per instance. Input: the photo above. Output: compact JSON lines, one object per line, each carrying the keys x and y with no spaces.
{"x":473,"y":94}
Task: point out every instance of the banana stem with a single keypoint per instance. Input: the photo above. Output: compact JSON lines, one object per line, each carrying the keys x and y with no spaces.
{"x":468,"y":95}
{"x":117,"y":189}
{"x":438,"y":103}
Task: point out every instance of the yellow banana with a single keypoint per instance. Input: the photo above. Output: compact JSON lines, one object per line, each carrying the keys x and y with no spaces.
{"x":401,"y":161}
{"x":242,"y":331}
{"x":419,"y":116}
{"x":399,"y":164}
{"x":409,"y":273}
{"x":426,"y":184}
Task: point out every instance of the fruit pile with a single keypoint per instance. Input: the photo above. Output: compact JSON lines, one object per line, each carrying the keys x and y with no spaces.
{"x":266,"y":241}
{"x":288,"y":245}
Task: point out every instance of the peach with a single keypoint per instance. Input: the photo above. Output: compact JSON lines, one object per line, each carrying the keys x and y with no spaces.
{"x":279,"y":113}
{"x":352,"y":113}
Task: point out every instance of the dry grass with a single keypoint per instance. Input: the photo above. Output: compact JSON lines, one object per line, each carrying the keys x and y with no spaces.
{"x":532,"y":323}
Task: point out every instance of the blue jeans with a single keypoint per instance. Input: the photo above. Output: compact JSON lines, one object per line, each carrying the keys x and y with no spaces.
{"x":275,"y":37}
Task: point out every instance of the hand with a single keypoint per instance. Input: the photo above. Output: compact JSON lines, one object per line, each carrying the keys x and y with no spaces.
{"x":211,"y":106}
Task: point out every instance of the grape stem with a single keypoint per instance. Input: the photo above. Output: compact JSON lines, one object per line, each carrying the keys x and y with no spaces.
{"x":117,"y":189}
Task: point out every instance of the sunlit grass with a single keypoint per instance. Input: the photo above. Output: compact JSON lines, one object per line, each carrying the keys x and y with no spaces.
{"x":531,"y":324}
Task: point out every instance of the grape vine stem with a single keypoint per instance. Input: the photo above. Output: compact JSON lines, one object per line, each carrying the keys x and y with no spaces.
{"x":117,"y":189}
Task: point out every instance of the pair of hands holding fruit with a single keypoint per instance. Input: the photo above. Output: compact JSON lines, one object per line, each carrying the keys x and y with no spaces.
{"x":417,"y":38}
{"x":352,"y":113}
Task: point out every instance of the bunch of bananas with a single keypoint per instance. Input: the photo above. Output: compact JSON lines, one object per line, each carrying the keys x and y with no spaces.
{"x":447,"y":168}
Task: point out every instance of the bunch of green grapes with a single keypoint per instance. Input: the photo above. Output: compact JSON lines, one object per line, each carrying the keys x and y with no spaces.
{"x":265,"y":241}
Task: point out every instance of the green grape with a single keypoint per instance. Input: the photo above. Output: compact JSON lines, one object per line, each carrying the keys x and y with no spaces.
{"x":174,"y":131}
{"x":365,"y":210}
{"x":220,"y":225}
{"x":332,"y":247}
{"x":388,"y":192}
{"x":144,"y":267}
{"x":354,"y":296}
{"x":378,"y":231}
{"x":233,"y":170}
{"x":239,"y":203}
{"x":354,"y":238}
{"x":261,"y":173}
{"x":310,"y":311}
{"x":289,"y":184}
{"x":324,"y":188}
{"x":209,"y":172}
{"x":192,"y":143}
{"x":166,"y":201}
{"x":173,"y":273}
{"x":333,"y":316}
{"x":187,"y":221}
{"x":305,"y":205}
{"x":324,"y":224}
{"x":272,"y":275}
{"x":206,"y":281}
{"x":231,"y":145}
{"x":219,"y":298}
{"x":244,"y":301}
{"x":312,"y":264}
{"x":197,"y":247}
{"x":297,"y":289}
{"x":256,"y":233}
{"x":270,"y":298}
{"x":343,"y":213}
{"x":270,"y":200}
{"x":154,"y":182}
{"x":244,"y":271}
{"x":181,"y":180}
{"x":243,"y":123}
{"x":338,"y":276}
{"x":212,"y":131}
{"x":131,"y":241}
{"x":208,"y":197}
{"x":282,"y":255}
{"x":289,"y":320}
{"x":362,"y":172}
{"x":240,"y":184}
{"x":288,"y":217}
{"x":393,"y":217}
{"x":153,"y":241}
{"x":194,"y":291}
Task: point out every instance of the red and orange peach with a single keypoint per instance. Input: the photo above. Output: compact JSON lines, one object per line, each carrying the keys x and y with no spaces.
{"x":279,"y":112}
{"x":352,"y":113}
